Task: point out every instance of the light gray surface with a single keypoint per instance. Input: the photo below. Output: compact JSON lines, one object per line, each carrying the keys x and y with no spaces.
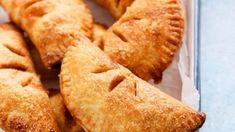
{"x":218,"y":64}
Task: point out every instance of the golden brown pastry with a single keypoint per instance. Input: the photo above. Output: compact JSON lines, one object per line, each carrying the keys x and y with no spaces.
{"x":24,"y":104}
{"x":52,"y":25}
{"x":115,"y":7}
{"x":63,"y":117}
{"x":13,"y":50}
{"x":146,"y":38}
{"x":103,"y":95}
{"x":98,"y":31}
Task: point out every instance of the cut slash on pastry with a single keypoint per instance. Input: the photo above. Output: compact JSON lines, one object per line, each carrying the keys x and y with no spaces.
{"x":52,"y":25}
{"x":116,"y":99}
{"x":146,"y":37}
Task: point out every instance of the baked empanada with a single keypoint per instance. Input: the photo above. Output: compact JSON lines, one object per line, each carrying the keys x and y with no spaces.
{"x":146,"y":38}
{"x":103,"y":95}
{"x":64,"y":119}
{"x":13,"y":51}
{"x":52,"y":25}
{"x":115,"y":7}
{"x":24,"y":104}
{"x":98,"y":32}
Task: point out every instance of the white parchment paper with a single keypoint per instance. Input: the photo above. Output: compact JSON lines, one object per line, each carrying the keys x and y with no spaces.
{"x":178,"y":78}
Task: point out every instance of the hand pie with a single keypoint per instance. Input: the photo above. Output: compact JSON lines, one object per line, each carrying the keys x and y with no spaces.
{"x":98,"y":31}
{"x":115,"y":7}
{"x":24,"y":104}
{"x":146,"y":38}
{"x":52,"y":25}
{"x":64,"y":119}
{"x":103,"y":95}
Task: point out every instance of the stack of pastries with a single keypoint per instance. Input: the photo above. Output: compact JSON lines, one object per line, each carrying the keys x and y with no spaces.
{"x":103,"y":69}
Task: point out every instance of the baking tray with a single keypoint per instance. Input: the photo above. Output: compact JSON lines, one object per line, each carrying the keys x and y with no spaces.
{"x":197,"y":50}
{"x":192,"y":38}
{"x":197,"y":47}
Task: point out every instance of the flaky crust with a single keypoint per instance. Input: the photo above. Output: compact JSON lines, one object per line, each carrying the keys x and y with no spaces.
{"x":24,"y":104}
{"x":116,"y":7}
{"x":52,"y":25}
{"x":64,"y":119}
{"x":98,"y":32}
{"x":103,"y":95}
{"x":13,"y":52}
{"x":146,"y":38}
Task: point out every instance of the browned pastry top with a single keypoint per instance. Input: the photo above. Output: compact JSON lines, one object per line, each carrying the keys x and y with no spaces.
{"x":103,"y":95}
{"x":52,"y":25}
{"x":13,"y":52}
{"x":146,"y":38}
{"x":115,"y":7}
{"x":24,"y":104}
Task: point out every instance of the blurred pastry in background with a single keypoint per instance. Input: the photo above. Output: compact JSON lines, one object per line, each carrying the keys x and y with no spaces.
{"x":98,"y":31}
{"x":64,"y":120}
{"x":52,"y":25}
{"x":116,"y":7}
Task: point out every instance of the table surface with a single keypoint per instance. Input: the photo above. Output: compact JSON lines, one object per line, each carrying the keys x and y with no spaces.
{"x":217,"y":39}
